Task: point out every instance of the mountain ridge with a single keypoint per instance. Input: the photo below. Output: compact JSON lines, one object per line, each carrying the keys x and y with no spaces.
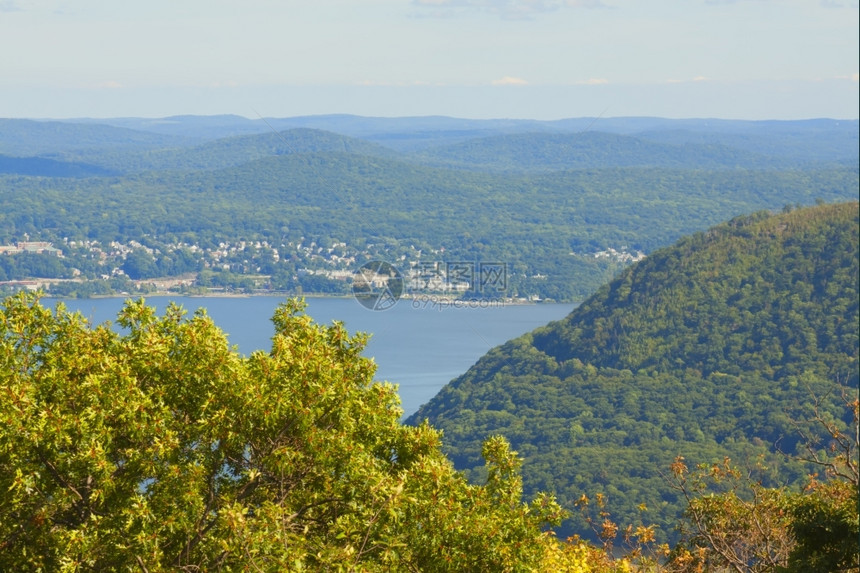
{"x":588,"y":150}
{"x":713,"y":347}
{"x":563,"y":209}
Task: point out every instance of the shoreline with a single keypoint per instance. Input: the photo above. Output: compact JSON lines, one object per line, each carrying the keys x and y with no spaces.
{"x":427,"y":300}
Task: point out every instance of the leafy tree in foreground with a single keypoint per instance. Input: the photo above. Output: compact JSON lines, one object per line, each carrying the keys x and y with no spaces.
{"x":733,"y":523}
{"x":161,"y":448}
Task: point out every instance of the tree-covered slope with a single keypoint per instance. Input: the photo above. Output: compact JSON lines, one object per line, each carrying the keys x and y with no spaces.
{"x":820,"y":140}
{"x":546,"y":228}
{"x":44,"y":167}
{"x":556,"y":151}
{"x":26,"y":137}
{"x":716,"y":346}
{"x":229,"y":151}
{"x":563,"y":210}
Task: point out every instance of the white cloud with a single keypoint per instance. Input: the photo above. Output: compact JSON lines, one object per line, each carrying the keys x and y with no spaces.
{"x":510,"y":81}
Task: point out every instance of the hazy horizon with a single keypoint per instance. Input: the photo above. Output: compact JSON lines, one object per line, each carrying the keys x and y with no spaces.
{"x":478,"y":59}
{"x":414,"y":116}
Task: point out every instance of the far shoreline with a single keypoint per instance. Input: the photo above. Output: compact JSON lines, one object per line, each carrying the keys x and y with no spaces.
{"x":428,"y":299}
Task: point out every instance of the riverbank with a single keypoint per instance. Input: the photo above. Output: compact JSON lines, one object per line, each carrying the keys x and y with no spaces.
{"x":428,"y":299}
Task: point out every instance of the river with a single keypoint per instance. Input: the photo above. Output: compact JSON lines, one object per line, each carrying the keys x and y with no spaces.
{"x":420,"y":346}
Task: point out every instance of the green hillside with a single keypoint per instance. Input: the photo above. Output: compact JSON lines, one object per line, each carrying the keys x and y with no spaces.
{"x":44,"y":167}
{"x":553,"y":151}
{"x":563,"y":206}
{"x":231,"y":151}
{"x":713,"y":347}
{"x":811,"y":140}
{"x":819,"y":139}
{"x":548,"y":229}
{"x":26,"y":137}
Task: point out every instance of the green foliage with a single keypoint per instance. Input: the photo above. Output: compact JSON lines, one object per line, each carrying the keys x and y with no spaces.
{"x":712,"y":348}
{"x":162,"y":448}
{"x":545,"y":204}
{"x":49,"y":167}
{"x":547,"y":152}
{"x":733,"y":523}
{"x":25,"y":137}
{"x":825,"y":526}
{"x":33,"y":265}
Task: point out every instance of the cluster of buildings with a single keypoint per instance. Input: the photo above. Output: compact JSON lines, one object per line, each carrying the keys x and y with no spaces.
{"x":623,"y":255}
{"x":30,"y":247}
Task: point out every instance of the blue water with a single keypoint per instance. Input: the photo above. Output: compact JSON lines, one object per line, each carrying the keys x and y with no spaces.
{"x":420,"y":347}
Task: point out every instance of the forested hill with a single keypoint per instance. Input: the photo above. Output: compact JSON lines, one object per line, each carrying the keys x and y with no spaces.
{"x":759,"y":293}
{"x":713,"y":347}
{"x":297,"y":204}
{"x":553,"y":151}
{"x":232,"y":151}
{"x":44,"y":167}
{"x":27,"y":137}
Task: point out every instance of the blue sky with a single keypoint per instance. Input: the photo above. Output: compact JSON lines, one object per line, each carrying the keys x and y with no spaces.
{"x":541,"y":59}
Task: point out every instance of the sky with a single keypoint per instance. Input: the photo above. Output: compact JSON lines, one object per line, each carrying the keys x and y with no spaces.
{"x":523,"y":59}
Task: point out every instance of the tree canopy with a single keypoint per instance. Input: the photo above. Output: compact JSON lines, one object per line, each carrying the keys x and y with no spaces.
{"x":565,"y":211}
{"x":710,"y":348}
{"x":156,"y":446}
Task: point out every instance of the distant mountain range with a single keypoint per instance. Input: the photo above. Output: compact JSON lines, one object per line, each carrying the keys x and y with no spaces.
{"x":549,"y":199}
{"x":818,"y":139}
{"x":716,"y":346}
